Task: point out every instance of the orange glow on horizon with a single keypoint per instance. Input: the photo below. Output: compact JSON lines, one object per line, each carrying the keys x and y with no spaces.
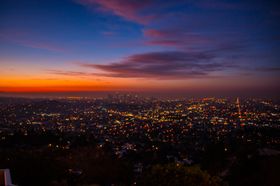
{"x":44,"y":82}
{"x":73,"y":84}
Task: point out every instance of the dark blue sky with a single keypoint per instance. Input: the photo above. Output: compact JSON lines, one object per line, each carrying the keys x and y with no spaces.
{"x":56,"y":45}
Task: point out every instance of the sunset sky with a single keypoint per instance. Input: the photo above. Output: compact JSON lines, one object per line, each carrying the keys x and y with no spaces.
{"x":139,"y":45}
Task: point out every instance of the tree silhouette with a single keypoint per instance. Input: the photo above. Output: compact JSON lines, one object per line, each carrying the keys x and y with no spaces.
{"x":178,"y":175}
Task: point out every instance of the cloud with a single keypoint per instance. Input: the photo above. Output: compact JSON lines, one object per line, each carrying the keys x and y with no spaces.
{"x":163,"y":65}
{"x":129,"y":10}
{"x":109,"y":33}
{"x":175,"y":37}
{"x":68,"y":73}
{"x":268,"y":69}
{"x":219,"y":5}
{"x":40,"y":45}
{"x":182,"y":39}
{"x":24,"y":39}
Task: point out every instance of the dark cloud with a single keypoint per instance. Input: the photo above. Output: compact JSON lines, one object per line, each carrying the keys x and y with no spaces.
{"x":163,"y":65}
{"x":221,"y":5}
{"x":68,"y":73}
{"x":268,"y":69}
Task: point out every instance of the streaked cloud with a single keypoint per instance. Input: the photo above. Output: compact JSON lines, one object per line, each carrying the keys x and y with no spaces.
{"x":176,"y":37}
{"x":129,"y":10}
{"x":68,"y":73}
{"x":163,"y":65}
{"x":24,"y":39}
{"x":268,"y":69}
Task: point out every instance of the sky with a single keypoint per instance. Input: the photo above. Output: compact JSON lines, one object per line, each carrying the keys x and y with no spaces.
{"x":139,"y":45}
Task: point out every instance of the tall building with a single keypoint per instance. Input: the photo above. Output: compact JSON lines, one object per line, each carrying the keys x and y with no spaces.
{"x":5,"y":178}
{"x":238,"y":107}
{"x":241,"y":119}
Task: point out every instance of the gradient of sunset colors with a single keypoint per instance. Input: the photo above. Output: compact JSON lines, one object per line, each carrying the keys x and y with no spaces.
{"x":139,"y":45}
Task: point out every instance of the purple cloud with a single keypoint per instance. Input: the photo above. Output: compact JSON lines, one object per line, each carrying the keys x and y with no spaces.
{"x":175,"y":37}
{"x":163,"y":65}
{"x":181,"y":39}
{"x":129,"y":10}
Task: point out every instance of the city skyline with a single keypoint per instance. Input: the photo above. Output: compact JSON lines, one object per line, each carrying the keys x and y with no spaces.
{"x":145,"y":46}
